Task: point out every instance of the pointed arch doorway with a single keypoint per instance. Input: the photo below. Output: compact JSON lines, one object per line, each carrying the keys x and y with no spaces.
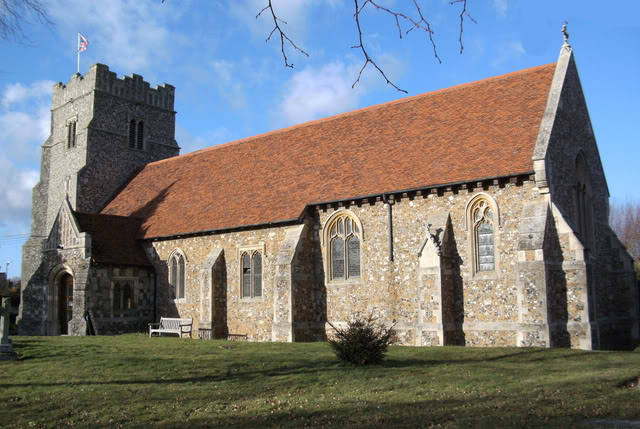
{"x":60,"y":305}
{"x":65,"y":302}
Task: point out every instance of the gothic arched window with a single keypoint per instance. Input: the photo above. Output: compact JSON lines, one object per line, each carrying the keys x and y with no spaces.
{"x":343,"y":243}
{"x":127,"y":297}
{"x":482,"y":221}
{"x":117,"y":297}
{"x":177,"y":274}
{"x":484,"y":237}
{"x":251,"y":274}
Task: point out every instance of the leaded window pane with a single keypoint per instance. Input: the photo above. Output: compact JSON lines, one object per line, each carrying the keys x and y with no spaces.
{"x":257,"y":274}
{"x":246,"y":276}
{"x":337,"y":258}
{"x":353,"y":249}
{"x":127,"y":298}
{"x":340,"y":226}
{"x":117,"y":297}
{"x":180,"y":276}
{"x":132,"y":133}
{"x":486,"y":255}
{"x":349,"y":229}
{"x":174,"y":276}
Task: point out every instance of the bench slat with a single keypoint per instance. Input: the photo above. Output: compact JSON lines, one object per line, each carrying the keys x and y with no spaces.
{"x":170,"y":325}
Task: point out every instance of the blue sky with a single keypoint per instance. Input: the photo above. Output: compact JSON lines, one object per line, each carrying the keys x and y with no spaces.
{"x":231,"y":84}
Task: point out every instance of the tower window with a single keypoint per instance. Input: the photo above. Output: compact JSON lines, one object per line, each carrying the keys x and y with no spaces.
{"x":136,"y":134}
{"x":132,"y":134}
{"x":140,"y":135}
{"x":71,"y":134}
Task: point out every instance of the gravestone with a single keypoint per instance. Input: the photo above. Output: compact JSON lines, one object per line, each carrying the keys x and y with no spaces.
{"x":6,"y":348}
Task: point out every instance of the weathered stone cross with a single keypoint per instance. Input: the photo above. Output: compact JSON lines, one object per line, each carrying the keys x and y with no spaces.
{"x":6,"y":348}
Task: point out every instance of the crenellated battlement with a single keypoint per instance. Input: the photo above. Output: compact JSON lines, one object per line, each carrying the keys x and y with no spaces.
{"x":99,"y":77}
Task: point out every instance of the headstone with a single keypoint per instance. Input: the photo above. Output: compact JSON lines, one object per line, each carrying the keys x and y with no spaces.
{"x":6,"y":348}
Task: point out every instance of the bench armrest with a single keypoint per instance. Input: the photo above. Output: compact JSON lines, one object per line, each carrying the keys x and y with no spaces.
{"x":154,"y":324}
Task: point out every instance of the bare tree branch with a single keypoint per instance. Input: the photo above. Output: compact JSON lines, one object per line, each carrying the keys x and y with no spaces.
{"x":14,"y":13}
{"x":283,"y":36}
{"x":367,"y":58}
{"x":462,"y":15}
{"x":625,"y":222}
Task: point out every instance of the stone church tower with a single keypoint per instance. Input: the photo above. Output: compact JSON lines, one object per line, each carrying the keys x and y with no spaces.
{"x":103,"y":129}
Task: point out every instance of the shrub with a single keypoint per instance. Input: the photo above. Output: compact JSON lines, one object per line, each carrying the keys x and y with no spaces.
{"x":364,"y":341}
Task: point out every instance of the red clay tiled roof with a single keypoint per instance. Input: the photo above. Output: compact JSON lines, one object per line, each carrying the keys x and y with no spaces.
{"x":473,"y":131}
{"x":113,"y":239}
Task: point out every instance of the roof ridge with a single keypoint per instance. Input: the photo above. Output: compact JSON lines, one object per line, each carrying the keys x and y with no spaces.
{"x":353,"y":112}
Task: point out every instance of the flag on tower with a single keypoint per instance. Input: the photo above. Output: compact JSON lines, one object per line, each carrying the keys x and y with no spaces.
{"x":82,"y":43}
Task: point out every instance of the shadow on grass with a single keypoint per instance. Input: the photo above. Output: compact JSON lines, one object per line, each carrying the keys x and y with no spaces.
{"x":238,"y":371}
{"x":486,"y":412}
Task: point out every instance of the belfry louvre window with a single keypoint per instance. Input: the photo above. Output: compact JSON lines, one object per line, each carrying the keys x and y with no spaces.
{"x":344,"y":248}
{"x":177,"y":275}
{"x":484,"y":237}
{"x":71,"y":135}
{"x":132,"y":134}
{"x":140,"y":135}
{"x":251,"y":274}
{"x":136,"y":134}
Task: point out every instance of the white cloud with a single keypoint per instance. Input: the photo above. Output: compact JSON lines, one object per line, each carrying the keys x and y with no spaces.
{"x":501,"y":7}
{"x":25,"y":118}
{"x":130,"y":34}
{"x":230,"y":89}
{"x":293,"y":14}
{"x":15,"y":192}
{"x":315,"y":92}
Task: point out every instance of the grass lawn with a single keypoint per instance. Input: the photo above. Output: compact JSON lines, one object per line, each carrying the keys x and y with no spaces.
{"x":134,"y":381}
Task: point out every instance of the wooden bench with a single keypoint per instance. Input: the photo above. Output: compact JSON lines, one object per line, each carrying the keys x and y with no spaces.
{"x":237,"y":337}
{"x":171,"y":326}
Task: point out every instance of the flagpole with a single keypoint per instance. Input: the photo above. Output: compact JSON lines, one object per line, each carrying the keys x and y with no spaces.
{"x":78,"y":52}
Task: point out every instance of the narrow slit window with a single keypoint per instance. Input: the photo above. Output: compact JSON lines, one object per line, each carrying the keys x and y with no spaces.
{"x":246,"y":276}
{"x":132,"y":134}
{"x":257,"y":274}
{"x":140,"y":135}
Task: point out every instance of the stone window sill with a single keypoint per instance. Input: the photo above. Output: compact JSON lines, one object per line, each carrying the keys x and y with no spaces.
{"x":252,"y":299}
{"x":486,"y":275}
{"x":347,"y":282}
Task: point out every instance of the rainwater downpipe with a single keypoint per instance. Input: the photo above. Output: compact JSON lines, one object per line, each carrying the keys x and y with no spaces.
{"x":388,"y":200}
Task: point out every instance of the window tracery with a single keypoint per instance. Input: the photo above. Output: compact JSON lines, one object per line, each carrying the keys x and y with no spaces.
{"x":177,"y":274}
{"x":251,"y":268}
{"x":343,"y":244}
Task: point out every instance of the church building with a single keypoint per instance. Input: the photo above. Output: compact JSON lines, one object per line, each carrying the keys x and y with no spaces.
{"x":474,"y":215}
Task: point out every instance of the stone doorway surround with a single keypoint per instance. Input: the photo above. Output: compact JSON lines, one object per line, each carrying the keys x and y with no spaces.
{"x":60,"y":278}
